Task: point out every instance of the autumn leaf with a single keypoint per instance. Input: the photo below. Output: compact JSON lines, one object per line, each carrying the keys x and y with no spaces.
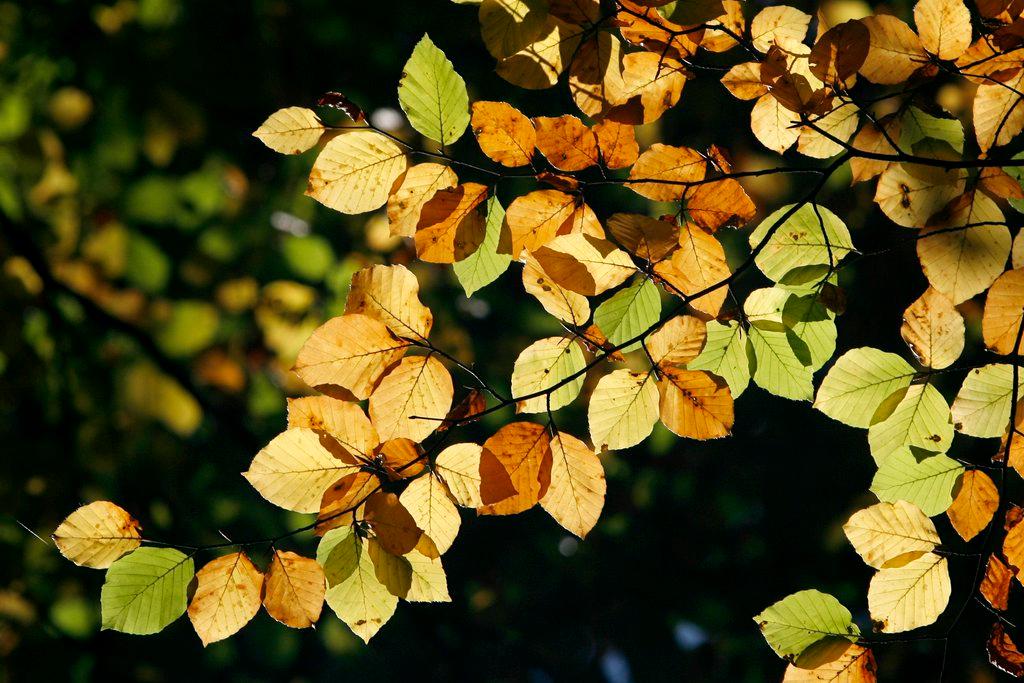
{"x":576,"y":493}
{"x":891,"y":534}
{"x":451,"y":226}
{"x":294,"y":589}
{"x":584,"y":264}
{"x":355,"y":171}
{"x":566,"y":142}
{"x":895,"y":51}
{"x":292,"y":130}
{"x":623,"y":409}
{"x":662,"y":171}
{"x":974,"y":503}
{"x":391,"y":295}
{"x":524,"y":451}
{"x":419,"y":185}
{"x":228,"y":595}
{"x":504,"y":134}
{"x":945,"y":27}
{"x":695,"y":404}
{"x":933,"y":329}
{"x":909,"y":596}
{"x":95,"y":535}
{"x":412,"y":399}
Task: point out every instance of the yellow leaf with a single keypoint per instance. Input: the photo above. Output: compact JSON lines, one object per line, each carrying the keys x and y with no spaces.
{"x":911,"y":596}
{"x":676,"y":165}
{"x":355,"y":172}
{"x":391,"y":295}
{"x":508,"y":26}
{"x":855,"y":665}
{"x":294,"y":589}
{"x":695,"y":404}
{"x":474,"y":477}
{"x":781,"y":25}
{"x":576,"y":493}
{"x":349,"y":351}
{"x":595,"y":75}
{"x":584,"y":264}
{"x":540,"y":367}
{"x":1004,"y":313}
{"x":617,"y":143}
{"x":773,"y":125}
{"x":538,"y":65}
{"x":412,"y":399}
{"x":744,"y":81}
{"x":697,"y":265}
{"x":451,"y":226}
{"x":340,"y":500}
{"x":295,"y":469}
{"x":945,"y":27}
{"x":998,"y":112}
{"x":96,"y":534}
{"x":504,"y":134}
{"x":840,"y":123}
{"x":653,"y":82}
{"x":623,"y":409}
{"x":419,"y":184}
{"x":890,"y":534}
{"x":359,"y":598}
{"x":566,"y":142}
{"x":642,"y":236}
{"x":895,"y":52}
{"x":562,"y":303}
{"x":428,"y":501}
{"x":975,"y":501}
{"x":933,"y":329}
{"x":228,"y":595}
{"x":292,"y":130}
{"x":536,"y":218}
{"x":429,"y":583}
{"x":911,"y":195}
{"x":344,"y":421}
{"x":524,"y":451}
{"x":677,"y":342}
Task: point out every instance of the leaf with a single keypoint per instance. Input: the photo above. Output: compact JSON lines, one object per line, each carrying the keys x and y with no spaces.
{"x":648,"y":238}
{"x":933,"y":329}
{"x":474,"y":477}
{"x":227,"y":597}
{"x":783,"y":26}
{"x":652,"y":84}
{"x":484,"y":265}
{"x":396,"y":530}
{"x":428,"y":581}
{"x":391,"y":295}
{"x":295,"y":469}
{"x":629,"y":313}
{"x":1004,"y":313}
{"x":292,"y":130}
{"x":839,"y":53}
{"x":565,"y":305}
{"x":427,"y":500}
{"x":840,"y":124}
{"x":146,"y":590}
{"x":920,"y":419}
{"x":917,"y":125}
{"x":895,"y":53}
{"x":344,"y":421}
{"x":595,"y":74}
{"x":810,"y":328}
{"x":722,"y":202}
{"x":536,"y":218}
{"x":340,"y":500}
{"x":419,"y":185}
{"x":95,"y":535}
{"x":743,"y":81}
{"x":451,"y":226}
{"x":966,"y":262}
{"x":982,"y":406}
{"x":776,"y":366}
{"x":804,"y":247}
{"x":524,"y":451}
{"x":540,"y":367}
{"x":945,"y":27}
{"x":725,"y":354}
{"x":891,"y":534}
{"x":773,"y":125}
{"x":695,"y":404}
{"x":432,"y":95}
{"x":350,"y":351}
{"x":508,"y":26}
{"x":697,"y":266}
{"x":394,"y":572}
{"x":911,"y":596}
{"x":294,"y":589}
{"x":576,"y":493}
{"x":859,"y":381}
{"x":623,"y":409}
{"x":504,"y":134}
{"x":802,"y":619}
{"x":354,"y":593}
{"x":584,"y":264}
{"x":677,"y":342}
{"x":910,"y":195}
{"x":975,"y":501}
{"x":999,"y":112}
{"x":855,"y":665}
{"x":927,"y":483}
{"x":995,"y":586}
{"x":566,"y":142}
{"x":660,"y":173}
{"x":539,"y":64}
{"x":412,"y":399}
{"x":1003,"y":653}
{"x":355,"y":172}
{"x":617,"y":143}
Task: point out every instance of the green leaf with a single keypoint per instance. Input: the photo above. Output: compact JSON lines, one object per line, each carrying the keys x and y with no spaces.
{"x":802,"y":619}
{"x":926,"y":481}
{"x":354,"y":592}
{"x":797,"y":252}
{"x":484,"y":265}
{"x":146,"y":590}
{"x":920,"y":418}
{"x":725,"y":354}
{"x":982,"y":406}
{"x":629,"y":312}
{"x":777,"y":367}
{"x":860,"y":380}
{"x":338,"y":554}
{"x":544,"y":364}
{"x":811,"y":328}
{"x":432,"y":95}
{"x":917,"y":125}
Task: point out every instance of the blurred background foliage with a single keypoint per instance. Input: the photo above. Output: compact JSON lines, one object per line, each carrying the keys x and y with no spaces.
{"x":159,"y":269}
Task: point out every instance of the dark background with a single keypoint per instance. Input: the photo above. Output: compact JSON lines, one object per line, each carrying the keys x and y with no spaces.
{"x":147,"y":107}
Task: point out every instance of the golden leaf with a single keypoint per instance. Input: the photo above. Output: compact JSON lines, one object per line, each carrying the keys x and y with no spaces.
{"x":355,"y":172}
{"x":575,"y":496}
{"x":292,"y":130}
{"x":524,"y":451}
{"x":933,"y":329}
{"x":391,"y":295}
{"x":504,"y":134}
{"x":412,"y":399}
{"x":451,"y":226}
{"x":228,"y":595}
{"x":418,"y":186}
{"x":975,"y":501}
{"x":96,"y":534}
{"x":294,"y":589}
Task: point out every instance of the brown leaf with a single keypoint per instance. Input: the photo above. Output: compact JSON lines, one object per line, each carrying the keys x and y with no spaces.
{"x":721,"y":202}
{"x":336,"y":100}
{"x":524,"y":451}
{"x":342,"y":498}
{"x":503,"y":133}
{"x":995,"y":586}
{"x":566,"y":142}
{"x":451,"y":226}
{"x":1003,"y":652}
{"x":840,"y":52}
{"x":677,"y":165}
{"x":695,"y":404}
{"x":976,"y":499}
{"x":396,"y":530}
{"x":617,"y":143}
{"x":294,"y":589}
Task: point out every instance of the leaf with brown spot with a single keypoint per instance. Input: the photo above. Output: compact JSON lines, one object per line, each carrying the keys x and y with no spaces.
{"x":720,"y":202}
{"x":566,"y":142}
{"x":617,"y":143}
{"x":536,"y":218}
{"x":228,"y":595}
{"x":504,"y":134}
{"x":340,"y":500}
{"x":294,"y":589}
{"x":560,"y":302}
{"x":343,"y":421}
{"x":659,"y":163}
{"x":697,"y":265}
{"x":695,"y":404}
{"x":419,"y":185}
{"x":944,"y":27}
{"x":595,"y":75}
{"x":933,"y":329}
{"x":391,"y":295}
{"x":451,"y":225}
{"x":355,"y":171}
{"x":95,"y":535}
{"x":584,"y":264}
